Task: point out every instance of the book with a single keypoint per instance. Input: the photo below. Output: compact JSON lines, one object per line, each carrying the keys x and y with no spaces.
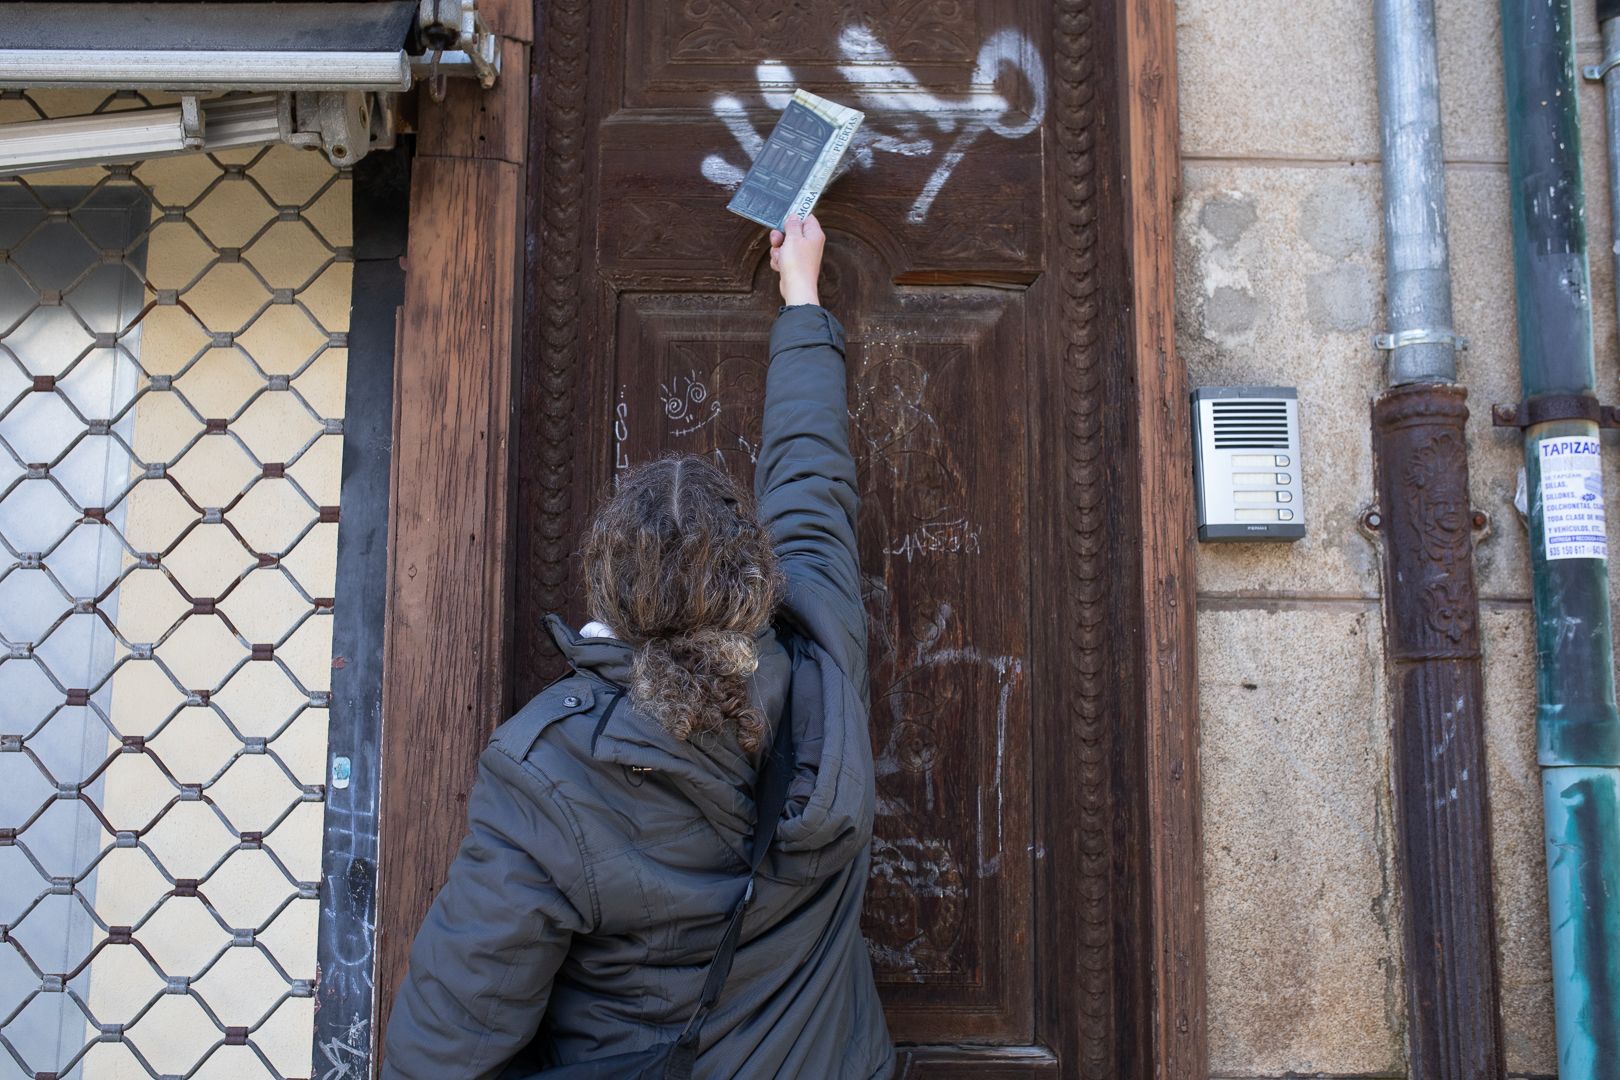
{"x":797,"y":161}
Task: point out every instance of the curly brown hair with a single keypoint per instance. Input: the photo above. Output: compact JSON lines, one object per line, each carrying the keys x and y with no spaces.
{"x":678,"y":565}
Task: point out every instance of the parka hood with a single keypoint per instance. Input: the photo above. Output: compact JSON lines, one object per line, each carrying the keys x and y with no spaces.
{"x":828,"y":808}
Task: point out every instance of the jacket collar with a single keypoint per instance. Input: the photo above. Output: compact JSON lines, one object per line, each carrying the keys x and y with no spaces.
{"x":606,"y":658}
{"x":712,"y":771}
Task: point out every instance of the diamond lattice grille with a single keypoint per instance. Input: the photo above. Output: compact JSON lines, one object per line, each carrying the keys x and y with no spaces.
{"x":172,"y":357}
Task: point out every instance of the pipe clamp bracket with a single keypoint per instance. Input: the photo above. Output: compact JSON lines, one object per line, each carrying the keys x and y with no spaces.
{"x":1547,"y":407}
{"x":1400,"y":340}
{"x":1595,"y":72}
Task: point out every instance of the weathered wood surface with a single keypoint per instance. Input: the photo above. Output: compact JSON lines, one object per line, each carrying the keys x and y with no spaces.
{"x":1089,"y":981}
{"x":1179,"y":1041}
{"x":450,"y":574}
{"x":649,"y":311}
{"x":1026,"y":530}
{"x":478,"y":125}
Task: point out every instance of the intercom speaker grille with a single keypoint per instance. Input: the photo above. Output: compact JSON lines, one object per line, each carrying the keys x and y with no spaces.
{"x":1251,"y":425}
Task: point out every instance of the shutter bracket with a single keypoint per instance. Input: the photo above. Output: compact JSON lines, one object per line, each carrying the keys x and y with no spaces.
{"x":458,"y":41}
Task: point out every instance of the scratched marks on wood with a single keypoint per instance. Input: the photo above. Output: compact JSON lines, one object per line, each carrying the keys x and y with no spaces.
{"x":922,"y":882}
{"x":1040,"y":211}
{"x":941,"y":692}
{"x":936,"y":405}
{"x":345,"y":1056}
{"x":956,"y":537}
{"x":708,"y":396}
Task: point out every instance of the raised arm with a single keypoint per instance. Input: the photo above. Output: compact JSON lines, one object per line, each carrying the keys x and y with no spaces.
{"x":483,"y":962}
{"x":805,"y":480}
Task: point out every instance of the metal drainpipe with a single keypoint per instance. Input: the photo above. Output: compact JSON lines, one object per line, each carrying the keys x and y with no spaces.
{"x":1431,"y":605}
{"x":1577,"y":727}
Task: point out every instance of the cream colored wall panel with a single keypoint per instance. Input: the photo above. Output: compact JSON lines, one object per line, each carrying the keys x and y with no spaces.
{"x":226,"y":297}
{"x":321,"y":382}
{"x":178,"y":257}
{"x":179,"y":180}
{"x":319,"y":470}
{"x":1518,"y":858}
{"x":277,"y":427}
{"x":314,"y":561}
{"x":332,"y":215}
{"x":273,"y":515}
{"x":1304,"y":947}
{"x":327,"y":297}
{"x":232,"y":213}
{"x":1276,"y":284}
{"x":244,"y":263}
{"x":290,"y":178}
{"x":289,"y":254}
{"x":263,"y":692}
{"x":309,"y":654}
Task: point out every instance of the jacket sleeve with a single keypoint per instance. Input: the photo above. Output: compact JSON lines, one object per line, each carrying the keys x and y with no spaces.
{"x":482,"y":964}
{"x":805,"y":480}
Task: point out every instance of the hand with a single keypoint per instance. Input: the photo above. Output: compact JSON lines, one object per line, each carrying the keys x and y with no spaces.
{"x":796,"y":256}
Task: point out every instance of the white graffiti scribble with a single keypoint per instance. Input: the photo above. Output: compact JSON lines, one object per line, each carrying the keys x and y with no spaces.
{"x":348,"y":1056}
{"x":687,"y":404}
{"x":621,"y":433}
{"x":957,"y":537}
{"x":888,"y":89}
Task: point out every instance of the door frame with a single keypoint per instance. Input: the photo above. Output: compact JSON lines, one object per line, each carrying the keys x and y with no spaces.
{"x":493,"y":288}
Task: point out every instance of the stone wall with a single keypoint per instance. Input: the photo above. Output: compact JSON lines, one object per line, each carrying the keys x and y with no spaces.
{"x":1280,"y":280}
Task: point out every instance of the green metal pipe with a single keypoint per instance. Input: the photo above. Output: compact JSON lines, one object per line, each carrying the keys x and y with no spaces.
{"x":1577,"y":725}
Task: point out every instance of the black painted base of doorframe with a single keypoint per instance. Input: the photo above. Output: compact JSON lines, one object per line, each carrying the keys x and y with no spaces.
{"x":345,"y":999}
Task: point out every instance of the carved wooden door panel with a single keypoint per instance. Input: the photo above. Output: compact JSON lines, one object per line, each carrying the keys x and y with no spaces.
{"x":942,"y":480}
{"x":650,"y":311}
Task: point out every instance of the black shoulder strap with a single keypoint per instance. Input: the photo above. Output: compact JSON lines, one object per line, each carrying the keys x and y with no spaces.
{"x":607,"y":714}
{"x":770,"y":796}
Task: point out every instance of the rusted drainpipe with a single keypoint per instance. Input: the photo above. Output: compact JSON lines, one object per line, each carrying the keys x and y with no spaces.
{"x":1431,"y":606}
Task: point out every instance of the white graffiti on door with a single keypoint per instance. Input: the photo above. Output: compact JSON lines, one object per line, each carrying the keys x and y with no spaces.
{"x":621,"y":433}
{"x":687,"y":403}
{"x":890,"y":92}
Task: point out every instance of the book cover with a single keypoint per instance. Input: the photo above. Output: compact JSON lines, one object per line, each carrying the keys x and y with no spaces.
{"x":797,"y":161}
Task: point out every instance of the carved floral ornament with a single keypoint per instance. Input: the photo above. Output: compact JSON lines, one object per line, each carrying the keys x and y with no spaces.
{"x":918,"y":30}
{"x":1429,"y":503}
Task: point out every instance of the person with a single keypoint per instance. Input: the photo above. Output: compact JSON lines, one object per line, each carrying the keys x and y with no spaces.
{"x":609,"y":839}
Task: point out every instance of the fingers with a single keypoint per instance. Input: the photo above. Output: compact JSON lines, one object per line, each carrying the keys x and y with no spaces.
{"x":776,"y":259}
{"x":795,"y":225}
{"x":777,"y":236}
{"x":810,"y":227}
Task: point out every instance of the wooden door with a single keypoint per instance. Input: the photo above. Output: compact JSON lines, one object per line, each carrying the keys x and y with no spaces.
{"x":1005,"y":912}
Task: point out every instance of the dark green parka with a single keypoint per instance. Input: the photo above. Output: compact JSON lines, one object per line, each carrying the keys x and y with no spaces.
{"x":599,"y":869}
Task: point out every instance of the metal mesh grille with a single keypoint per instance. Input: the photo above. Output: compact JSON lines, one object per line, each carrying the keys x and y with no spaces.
{"x":172,"y":356}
